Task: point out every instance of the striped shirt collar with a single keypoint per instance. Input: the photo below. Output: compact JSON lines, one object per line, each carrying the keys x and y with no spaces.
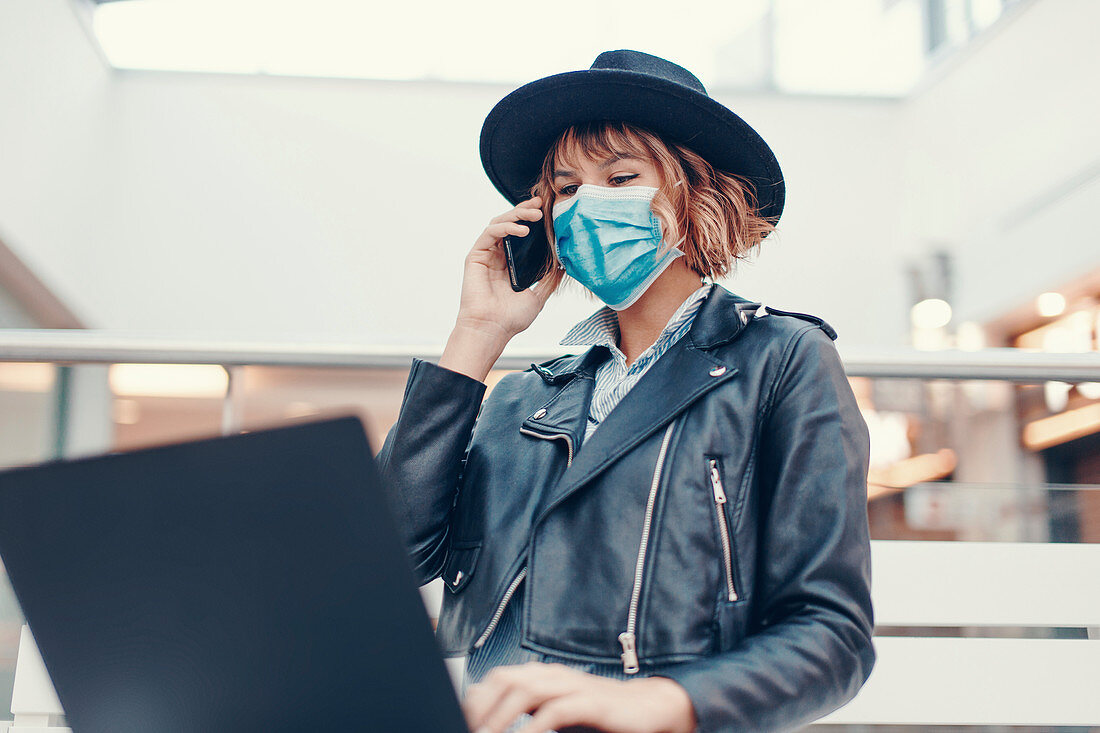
{"x":602,"y":327}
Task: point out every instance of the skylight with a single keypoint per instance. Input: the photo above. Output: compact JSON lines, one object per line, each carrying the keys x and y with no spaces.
{"x":799,"y":46}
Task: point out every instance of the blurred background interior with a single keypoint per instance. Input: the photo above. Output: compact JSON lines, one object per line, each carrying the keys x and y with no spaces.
{"x":306,"y":174}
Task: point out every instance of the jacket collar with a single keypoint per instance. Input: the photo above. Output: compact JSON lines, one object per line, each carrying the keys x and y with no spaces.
{"x":602,"y":327}
{"x":561,"y":370}
{"x":720,"y":318}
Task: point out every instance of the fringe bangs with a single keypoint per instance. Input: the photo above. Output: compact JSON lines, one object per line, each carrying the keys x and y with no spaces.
{"x":714,"y":213}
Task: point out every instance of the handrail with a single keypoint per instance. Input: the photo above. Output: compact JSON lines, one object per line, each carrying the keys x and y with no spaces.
{"x":106,"y":347}
{"x":1008,"y":486}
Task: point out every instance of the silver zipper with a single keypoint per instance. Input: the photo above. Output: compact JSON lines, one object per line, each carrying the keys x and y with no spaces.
{"x":628,"y":639}
{"x":719,"y":506}
{"x":562,"y":436}
{"x":500,"y":608}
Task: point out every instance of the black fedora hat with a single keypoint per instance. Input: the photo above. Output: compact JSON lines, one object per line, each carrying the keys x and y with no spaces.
{"x":634,"y":87}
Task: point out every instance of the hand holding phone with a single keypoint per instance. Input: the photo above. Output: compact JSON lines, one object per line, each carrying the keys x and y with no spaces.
{"x":491,"y":312}
{"x":528,"y":256}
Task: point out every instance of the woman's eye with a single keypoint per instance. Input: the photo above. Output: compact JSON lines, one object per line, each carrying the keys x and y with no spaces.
{"x":568,"y":190}
{"x":620,"y":180}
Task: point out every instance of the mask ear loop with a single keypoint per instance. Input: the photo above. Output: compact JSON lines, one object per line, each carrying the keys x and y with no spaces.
{"x":557,"y":255}
{"x":675,"y":247}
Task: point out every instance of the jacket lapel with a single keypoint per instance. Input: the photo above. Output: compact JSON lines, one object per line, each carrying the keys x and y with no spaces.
{"x":682,"y":375}
{"x":565,"y":414}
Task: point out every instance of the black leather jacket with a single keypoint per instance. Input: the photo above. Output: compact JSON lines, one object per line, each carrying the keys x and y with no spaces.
{"x":716,"y":519}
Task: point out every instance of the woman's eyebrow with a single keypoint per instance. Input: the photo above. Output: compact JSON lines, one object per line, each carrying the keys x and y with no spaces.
{"x":616,"y":158}
{"x":609,"y":162}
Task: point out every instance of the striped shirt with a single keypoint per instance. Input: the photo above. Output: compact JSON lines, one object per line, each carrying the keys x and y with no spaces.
{"x":613,"y":380}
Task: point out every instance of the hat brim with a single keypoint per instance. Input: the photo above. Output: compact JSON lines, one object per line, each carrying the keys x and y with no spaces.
{"x":520,"y":129}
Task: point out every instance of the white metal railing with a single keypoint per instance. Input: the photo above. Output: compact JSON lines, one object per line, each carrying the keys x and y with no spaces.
{"x":80,"y":346}
{"x":105,"y":347}
{"x":970,"y":679}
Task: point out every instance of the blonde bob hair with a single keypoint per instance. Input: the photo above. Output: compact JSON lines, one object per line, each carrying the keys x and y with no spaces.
{"x":714,"y":212}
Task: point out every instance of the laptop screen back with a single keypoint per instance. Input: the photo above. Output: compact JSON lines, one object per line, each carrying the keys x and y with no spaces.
{"x":253,"y":582}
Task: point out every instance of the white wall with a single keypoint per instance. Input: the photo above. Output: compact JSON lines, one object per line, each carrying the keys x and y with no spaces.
{"x":302,"y":208}
{"x":1002,"y":157}
{"x":12,"y":313}
{"x":342,"y":209}
{"x":52,"y":91}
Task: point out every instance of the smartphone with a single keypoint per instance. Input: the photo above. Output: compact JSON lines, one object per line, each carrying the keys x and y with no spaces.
{"x":528,"y":256}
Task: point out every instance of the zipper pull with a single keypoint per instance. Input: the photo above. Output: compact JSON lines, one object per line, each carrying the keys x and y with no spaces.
{"x":630,"y":652}
{"x":716,"y":482}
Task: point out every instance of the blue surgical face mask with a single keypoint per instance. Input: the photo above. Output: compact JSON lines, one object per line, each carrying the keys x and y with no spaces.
{"x":608,"y":240}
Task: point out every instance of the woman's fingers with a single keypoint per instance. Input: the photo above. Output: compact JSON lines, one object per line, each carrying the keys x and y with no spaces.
{"x":528,"y":210}
{"x":542,"y":291}
{"x":521,"y":230}
{"x":529,"y":213}
{"x":513,"y":222}
{"x":486,"y":288}
{"x":518,"y":213}
{"x":515,"y":703}
{"x":559,"y":697}
{"x":508,"y":692}
{"x":565,"y":712}
{"x":493,"y":233}
{"x":480,"y":701}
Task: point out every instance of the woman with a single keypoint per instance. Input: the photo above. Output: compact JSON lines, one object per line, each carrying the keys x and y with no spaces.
{"x":667,"y":531}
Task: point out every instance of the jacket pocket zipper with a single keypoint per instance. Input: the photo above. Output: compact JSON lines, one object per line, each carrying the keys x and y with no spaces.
{"x":723,"y":527}
{"x":628,"y":639}
{"x":500,"y":608}
{"x":556,"y":436}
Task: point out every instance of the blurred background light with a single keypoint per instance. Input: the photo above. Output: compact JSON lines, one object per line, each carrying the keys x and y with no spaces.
{"x":168,"y":380}
{"x":970,"y":336}
{"x":1089,"y":390}
{"x":930,"y":313}
{"x":1050,"y":304}
{"x":1056,"y":395}
{"x":26,"y":377}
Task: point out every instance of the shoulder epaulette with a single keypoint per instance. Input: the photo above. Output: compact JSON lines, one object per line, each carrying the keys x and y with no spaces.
{"x":544,"y":370}
{"x":819,"y":322}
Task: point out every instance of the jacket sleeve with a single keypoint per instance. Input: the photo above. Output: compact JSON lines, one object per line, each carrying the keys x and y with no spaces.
{"x":810,"y":650}
{"x":422,"y":458}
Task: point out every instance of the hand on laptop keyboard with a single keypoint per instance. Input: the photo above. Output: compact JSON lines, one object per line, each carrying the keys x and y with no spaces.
{"x":564,"y":697}
{"x":518,"y":725}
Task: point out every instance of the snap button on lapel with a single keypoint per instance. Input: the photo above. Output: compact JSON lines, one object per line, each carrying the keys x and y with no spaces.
{"x":717,"y":371}
{"x":541,"y":412}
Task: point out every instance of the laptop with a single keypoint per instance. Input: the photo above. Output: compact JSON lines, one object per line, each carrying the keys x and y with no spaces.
{"x":250,"y":582}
